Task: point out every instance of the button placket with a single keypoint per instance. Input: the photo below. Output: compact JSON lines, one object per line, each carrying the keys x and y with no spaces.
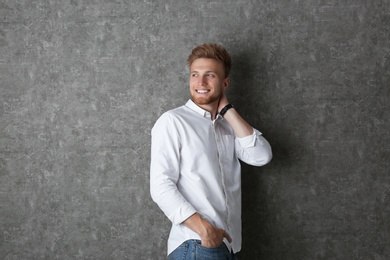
{"x":221,"y":152}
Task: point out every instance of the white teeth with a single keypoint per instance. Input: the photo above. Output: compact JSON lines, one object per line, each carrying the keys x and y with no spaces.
{"x":202,"y":91}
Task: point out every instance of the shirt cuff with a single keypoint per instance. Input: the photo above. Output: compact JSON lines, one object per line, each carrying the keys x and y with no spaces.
{"x":250,"y":140}
{"x":181,"y":214}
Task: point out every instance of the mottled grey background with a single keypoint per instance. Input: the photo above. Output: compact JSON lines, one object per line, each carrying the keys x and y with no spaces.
{"x":82,"y":83}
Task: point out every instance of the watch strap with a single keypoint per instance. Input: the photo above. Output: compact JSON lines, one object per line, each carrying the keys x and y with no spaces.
{"x":225,"y":109}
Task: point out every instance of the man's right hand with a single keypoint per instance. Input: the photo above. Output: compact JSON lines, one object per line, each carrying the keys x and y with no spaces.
{"x":210,"y":235}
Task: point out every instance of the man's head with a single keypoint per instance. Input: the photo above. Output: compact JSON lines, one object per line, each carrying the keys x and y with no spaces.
{"x":212,"y":51}
{"x":209,"y":69}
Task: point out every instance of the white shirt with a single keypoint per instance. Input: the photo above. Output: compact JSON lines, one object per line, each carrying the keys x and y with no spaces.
{"x":195,"y":168}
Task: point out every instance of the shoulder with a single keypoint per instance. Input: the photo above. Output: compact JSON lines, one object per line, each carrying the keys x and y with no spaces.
{"x":169,"y":118}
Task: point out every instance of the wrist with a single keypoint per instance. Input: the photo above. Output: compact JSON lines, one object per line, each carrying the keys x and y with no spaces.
{"x":225,"y":109}
{"x":197,"y":224}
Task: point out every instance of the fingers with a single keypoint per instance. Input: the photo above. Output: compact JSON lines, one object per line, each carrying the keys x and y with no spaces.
{"x":216,"y":239}
{"x":226,"y":235}
{"x":224,"y":98}
{"x":222,"y":102}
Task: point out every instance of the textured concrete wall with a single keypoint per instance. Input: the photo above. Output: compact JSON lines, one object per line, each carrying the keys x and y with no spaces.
{"x":82,"y":83}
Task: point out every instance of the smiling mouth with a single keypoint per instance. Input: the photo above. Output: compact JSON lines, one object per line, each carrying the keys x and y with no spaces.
{"x":202,"y":91}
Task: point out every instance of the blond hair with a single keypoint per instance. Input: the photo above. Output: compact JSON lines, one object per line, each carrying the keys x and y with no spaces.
{"x":211,"y":51}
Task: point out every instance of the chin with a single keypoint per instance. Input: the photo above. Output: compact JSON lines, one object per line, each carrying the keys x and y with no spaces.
{"x":201,"y":101}
{"x":204,"y":100}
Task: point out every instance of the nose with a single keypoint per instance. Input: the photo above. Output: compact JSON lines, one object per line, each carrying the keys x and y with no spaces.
{"x":201,"y":80}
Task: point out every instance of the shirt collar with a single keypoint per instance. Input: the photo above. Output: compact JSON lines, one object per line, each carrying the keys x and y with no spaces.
{"x":191,"y":105}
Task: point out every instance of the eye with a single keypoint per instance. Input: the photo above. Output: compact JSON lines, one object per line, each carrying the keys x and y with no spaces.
{"x":210,"y":75}
{"x":194,"y":75}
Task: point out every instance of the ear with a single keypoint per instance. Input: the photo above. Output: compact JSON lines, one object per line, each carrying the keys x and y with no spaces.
{"x":226,"y":83}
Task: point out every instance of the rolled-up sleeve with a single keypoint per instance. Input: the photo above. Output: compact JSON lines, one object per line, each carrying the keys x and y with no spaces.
{"x":254,"y":149}
{"x":165,"y":169}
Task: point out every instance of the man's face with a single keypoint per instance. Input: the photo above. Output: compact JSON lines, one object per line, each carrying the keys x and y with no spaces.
{"x":207,"y":82}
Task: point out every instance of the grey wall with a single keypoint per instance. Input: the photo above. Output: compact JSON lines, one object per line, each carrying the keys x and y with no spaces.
{"x":82,"y":83}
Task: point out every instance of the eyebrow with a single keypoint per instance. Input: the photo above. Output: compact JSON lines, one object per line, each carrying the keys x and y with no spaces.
{"x":209,"y":71}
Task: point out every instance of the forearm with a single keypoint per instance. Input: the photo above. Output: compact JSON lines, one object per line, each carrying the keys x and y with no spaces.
{"x":166,"y":195}
{"x":240,"y":127}
{"x":197,"y":224}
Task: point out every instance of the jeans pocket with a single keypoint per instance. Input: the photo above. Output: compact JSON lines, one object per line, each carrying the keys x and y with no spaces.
{"x":180,"y":252}
{"x":214,"y":253}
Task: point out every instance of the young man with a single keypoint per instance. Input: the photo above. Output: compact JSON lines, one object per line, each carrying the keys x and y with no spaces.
{"x":195,"y":170}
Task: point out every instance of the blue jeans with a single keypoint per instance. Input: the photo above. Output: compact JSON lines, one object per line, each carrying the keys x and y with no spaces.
{"x":193,"y":250}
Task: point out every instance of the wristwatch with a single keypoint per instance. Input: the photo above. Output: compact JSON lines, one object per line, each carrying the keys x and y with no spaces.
{"x":225,"y":108}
